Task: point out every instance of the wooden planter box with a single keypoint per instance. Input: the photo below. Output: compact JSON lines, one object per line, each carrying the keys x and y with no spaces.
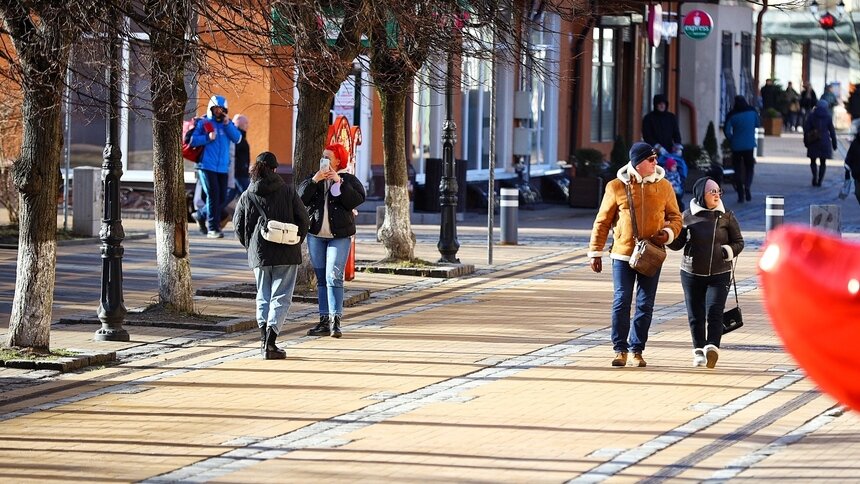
{"x":585,"y":192}
{"x":772,"y":126}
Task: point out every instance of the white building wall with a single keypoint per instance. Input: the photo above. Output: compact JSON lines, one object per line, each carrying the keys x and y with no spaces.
{"x":701,"y":60}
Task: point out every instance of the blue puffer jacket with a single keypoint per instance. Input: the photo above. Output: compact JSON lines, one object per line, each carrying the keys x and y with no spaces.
{"x":821,"y":119}
{"x":216,"y":153}
{"x":740,"y":129}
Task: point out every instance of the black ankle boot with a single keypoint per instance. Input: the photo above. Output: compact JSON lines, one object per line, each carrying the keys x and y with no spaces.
{"x":263,"y":341}
{"x":272,"y":350}
{"x":334,"y":327}
{"x":821,"y":170}
{"x":321,"y":329}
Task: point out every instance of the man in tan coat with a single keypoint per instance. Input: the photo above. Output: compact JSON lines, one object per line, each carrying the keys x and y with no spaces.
{"x":658,"y":218}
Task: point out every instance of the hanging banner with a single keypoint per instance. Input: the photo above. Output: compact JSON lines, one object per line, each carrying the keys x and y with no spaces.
{"x":697,"y":24}
{"x":655,"y":24}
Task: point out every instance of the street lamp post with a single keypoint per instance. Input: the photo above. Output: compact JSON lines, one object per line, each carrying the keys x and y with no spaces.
{"x":112,"y":310}
{"x":827,"y":21}
{"x":448,"y":244}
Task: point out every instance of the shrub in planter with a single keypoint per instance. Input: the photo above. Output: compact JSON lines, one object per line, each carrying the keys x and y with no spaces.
{"x":588,"y":162}
{"x":618,"y":157}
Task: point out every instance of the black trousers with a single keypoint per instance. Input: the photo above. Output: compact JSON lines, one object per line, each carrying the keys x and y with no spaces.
{"x":744,"y":163}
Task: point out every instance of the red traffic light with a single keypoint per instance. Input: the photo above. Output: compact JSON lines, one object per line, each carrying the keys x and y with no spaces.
{"x":827,"y":21}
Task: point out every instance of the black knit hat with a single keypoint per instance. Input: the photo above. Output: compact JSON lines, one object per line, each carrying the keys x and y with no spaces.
{"x":699,"y":190}
{"x":267,"y":158}
{"x":640,"y":151}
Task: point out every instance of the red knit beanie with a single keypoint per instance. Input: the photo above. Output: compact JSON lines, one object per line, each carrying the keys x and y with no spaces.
{"x":339,"y":153}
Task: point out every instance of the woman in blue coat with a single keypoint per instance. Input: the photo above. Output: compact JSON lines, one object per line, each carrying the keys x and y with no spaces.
{"x":819,"y":137}
{"x":739,"y":128}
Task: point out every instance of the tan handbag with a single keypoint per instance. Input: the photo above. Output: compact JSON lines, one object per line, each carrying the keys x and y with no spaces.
{"x":647,"y":257}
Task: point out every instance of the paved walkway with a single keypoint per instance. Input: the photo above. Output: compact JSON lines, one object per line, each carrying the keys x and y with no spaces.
{"x":502,"y":376}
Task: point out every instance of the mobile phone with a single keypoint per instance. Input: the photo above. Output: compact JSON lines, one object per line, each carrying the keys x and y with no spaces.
{"x":325,"y":164}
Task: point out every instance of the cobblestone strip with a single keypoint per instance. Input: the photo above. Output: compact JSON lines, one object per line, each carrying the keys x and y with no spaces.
{"x":329,"y":433}
{"x":744,"y":432}
{"x":632,"y":456}
{"x":743,"y":463}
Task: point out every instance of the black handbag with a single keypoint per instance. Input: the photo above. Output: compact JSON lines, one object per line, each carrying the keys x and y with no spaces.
{"x":733,"y":319}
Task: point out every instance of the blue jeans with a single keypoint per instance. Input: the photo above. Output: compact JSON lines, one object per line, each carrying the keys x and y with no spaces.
{"x":242,"y":184}
{"x":625,"y":338}
{"x":705,"y":297}
{"x":328,"y":257}
{"x":214,"y":186}
{"x":275,"y":285}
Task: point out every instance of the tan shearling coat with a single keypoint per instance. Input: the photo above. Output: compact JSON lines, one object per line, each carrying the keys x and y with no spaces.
{"x":656,"y":209}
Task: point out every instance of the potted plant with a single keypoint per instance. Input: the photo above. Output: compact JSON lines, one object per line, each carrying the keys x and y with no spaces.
{"x":772,"y":121}
{"x":586,"y":187}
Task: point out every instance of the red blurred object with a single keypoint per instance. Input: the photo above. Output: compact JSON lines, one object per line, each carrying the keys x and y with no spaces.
{"x":827,"y":21}
{"x":811,"y":284}
{"x":349,"y":270}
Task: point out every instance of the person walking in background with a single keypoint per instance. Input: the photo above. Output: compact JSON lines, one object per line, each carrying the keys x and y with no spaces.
{"x":792,"y":108}
{"x":808,"y":98}
{"x":657,"y":218}
{"x":660,"y":127}
{"x":819,"y":137}
{"x":853,"y":108}
{"x":331,"y":194}
{"x":739,"y":129}
{"x":852,"y":162}
{"x":830,"y":97}
{"x":275,"y":265}
{"x":216,"y":133}
{"x":240,"y":161}
{"x":768,"y":95}
{"x":711,"y":239}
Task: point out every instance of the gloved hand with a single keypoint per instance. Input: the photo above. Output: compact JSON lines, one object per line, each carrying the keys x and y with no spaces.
{"x":660,"y":238}
{"x":834,"y":146}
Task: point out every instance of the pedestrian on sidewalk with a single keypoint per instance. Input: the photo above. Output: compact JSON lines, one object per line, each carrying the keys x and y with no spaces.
{"x":216,"y":133}
{"x":819,"y":137}
{"x":657,"y":218}
{"x":238,"y":178}
{"x":674,"y":177}
{"x":660,"y":127}
{"x":275,"y":265}
{"x":808,"y":98}
{"x":740,"y":126}
{"x":711,"y":239}
{"x":852,"y":161}
{"x":331,"y":194}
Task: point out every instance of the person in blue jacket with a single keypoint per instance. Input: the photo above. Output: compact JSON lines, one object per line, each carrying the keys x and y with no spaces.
{"x":819,"y":137}
{"x":739,"y":129}
{"x":215,"y":133}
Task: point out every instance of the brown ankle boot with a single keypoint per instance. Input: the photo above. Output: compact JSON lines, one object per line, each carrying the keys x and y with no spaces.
{"x":638,"y":360}
{"x":620,"y":359}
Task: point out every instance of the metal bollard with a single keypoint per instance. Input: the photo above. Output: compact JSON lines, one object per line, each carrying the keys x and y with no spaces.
{"x":509,"y":203}
{"x":774,"y":212}
{"x":759,"y":140}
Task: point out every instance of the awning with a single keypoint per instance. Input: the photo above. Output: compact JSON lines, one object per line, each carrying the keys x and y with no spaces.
{"x":800,"y":26}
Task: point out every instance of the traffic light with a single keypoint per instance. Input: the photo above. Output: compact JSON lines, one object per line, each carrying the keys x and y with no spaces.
{"x":827,"y":21}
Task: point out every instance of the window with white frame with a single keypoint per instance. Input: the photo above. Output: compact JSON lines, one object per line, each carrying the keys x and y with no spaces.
{"x":603,"y":85}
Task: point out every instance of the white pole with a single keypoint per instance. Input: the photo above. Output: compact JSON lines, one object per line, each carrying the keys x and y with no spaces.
{"x":491,"y":192}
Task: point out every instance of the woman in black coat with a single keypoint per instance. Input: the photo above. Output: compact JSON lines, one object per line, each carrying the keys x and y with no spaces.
{"x":275,"y":265}
{"x":819,"y":137}
{"x":331,"y":195}
{"x":711,"y":239}
{"x":852,"y":161}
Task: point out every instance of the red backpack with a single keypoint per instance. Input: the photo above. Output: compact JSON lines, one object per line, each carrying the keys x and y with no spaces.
{"x":190,"y":153}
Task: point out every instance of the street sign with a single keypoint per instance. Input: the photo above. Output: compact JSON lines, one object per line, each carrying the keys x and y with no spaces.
{"x":697,"y":24}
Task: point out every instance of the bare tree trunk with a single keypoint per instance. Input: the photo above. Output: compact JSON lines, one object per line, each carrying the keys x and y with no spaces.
{"x":36,"y":177}
{"x":311,"y":127}
{"x":396,"y":231}
{"x":169,"y":61}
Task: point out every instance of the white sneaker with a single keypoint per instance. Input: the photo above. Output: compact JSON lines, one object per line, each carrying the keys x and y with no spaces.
{"x":712,"y":354}
{"x":698,"y":357}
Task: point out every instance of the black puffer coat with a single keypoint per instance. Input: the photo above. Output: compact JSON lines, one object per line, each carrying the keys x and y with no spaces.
{"x":341,"y":220}
{"x":280,"y":202}
{"x":710,"y":239}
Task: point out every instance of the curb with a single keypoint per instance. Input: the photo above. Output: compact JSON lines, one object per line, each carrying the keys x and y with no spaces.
{"x":232,"y":325}
{"x":65,"y":364}
{"x":443,"y":272}
{"x":351,"y":297}
{"x":85,"y":241}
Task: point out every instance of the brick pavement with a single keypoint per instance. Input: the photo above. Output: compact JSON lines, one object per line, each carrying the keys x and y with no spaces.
{"x":501,"y":376}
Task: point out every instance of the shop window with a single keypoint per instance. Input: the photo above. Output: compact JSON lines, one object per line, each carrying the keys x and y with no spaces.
{"x":603,"y":70}
{"x":655,"y":75}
